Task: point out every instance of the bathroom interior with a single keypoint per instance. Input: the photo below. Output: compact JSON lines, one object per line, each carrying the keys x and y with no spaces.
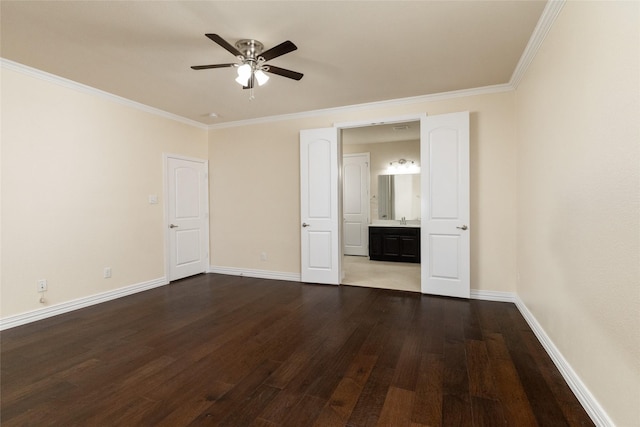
{"x":381,"y":206}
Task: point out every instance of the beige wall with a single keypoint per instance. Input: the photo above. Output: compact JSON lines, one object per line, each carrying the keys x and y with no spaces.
{"x":77,"y":170}
{"x":578,"y":197}
{"x":254,"y":188}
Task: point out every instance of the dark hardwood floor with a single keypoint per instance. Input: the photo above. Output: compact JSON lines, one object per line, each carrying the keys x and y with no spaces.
{"x":233,"y":351}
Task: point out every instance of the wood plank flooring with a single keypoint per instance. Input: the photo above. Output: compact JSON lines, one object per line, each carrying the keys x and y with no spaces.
{"x":234,"y":351}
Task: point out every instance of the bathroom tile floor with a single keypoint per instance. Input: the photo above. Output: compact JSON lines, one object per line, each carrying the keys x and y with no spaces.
{"x":360,"y":271}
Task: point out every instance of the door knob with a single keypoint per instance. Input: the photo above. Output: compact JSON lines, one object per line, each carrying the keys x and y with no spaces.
{"x":304,"y":224}
{"x":173,"y":226}
{"x":464,"y":227}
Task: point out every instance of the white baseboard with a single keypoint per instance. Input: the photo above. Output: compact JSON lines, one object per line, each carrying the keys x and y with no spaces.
{"x":493,"y":295}
{"x":65,"y":307}
{"x":584,"y":396}
{"x":260,"y":274}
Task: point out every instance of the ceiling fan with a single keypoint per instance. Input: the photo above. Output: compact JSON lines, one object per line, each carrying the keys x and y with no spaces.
{"x":252,"y":67}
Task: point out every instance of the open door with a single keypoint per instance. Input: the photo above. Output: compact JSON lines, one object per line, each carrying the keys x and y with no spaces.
{"x":319,"y":206}
{"x":445,"y":241}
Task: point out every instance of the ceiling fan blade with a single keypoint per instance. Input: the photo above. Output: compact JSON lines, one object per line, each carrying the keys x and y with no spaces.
{"x":205,"y":67}
{"x":222,"y":42}
{"x":281,"y":49}
{"x":284,"y":72}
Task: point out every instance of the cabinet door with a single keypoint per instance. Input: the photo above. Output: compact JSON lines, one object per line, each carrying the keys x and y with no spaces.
{"x":410,"y":249}
{"x":375,"y":244}
{"x":391,"y":246}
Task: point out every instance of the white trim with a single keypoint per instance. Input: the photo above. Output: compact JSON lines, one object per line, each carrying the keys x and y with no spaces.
{"x":70,"y":84}
{"x":493,"y":296}
{"x":368,"y":106}
{"x":584,"y":396}
{"x":381,"y":121}
{"x":65,"y":307}
{"x":548,"y":17}
{"x":582,"y":393}
{"x":260,"y":274}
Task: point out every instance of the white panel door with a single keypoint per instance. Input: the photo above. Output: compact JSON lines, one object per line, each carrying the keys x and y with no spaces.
{"x":187,"y":215}
{"x":445,"y":238}
{"x":319,"y":207}
{"x":355,"y":203}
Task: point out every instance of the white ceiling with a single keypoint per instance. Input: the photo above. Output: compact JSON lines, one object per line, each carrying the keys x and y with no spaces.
{"x":351,"y":52}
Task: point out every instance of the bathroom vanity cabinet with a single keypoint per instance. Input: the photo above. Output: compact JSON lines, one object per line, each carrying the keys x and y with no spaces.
{"x":400,"y":244}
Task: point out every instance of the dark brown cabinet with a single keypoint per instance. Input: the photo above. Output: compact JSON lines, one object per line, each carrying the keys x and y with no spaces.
{"x":400,"y":244}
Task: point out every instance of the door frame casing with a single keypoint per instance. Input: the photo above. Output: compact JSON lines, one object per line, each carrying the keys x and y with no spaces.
{"x":165,"y":218}
{"x":339,"y":126}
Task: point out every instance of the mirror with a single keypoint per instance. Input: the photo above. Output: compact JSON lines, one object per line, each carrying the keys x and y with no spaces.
{"x":398,"y":197}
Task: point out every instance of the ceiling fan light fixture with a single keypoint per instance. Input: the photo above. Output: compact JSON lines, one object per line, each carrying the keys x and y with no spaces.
{"x":244,"y":74}
{"x":243,"y":81}
{"x":261,"y":77}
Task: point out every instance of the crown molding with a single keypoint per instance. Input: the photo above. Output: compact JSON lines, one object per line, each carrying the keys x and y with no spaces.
{"x":547,"y":18}
{"x":70,"y":84}
{"x":368,"y":106}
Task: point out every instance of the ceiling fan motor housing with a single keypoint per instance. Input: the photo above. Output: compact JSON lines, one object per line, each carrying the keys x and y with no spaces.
{"x":250,"y":48}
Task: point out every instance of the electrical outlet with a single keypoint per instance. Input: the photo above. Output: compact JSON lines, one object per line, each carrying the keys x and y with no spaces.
{"x":263,"y":256}
{"x":42,"y":285}
{"x":107,"y":272}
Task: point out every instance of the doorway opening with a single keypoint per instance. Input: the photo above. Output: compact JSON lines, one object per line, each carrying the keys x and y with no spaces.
{"x":381,"y":198}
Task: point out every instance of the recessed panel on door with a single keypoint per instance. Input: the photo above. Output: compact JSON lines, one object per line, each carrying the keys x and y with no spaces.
{"x":352,"y":182}
{"x":444,"y":262}
{"x":188,"y":246}
{"x":353,"y":235}
{"x":355,"y":203}
{"x":187,"y":200}
{"x":320,"y":205}
{"x":320,"y":250}
{"x":443,"y":192}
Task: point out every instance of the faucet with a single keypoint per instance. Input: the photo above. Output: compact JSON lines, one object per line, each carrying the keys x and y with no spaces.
{"x":403,"y":221}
